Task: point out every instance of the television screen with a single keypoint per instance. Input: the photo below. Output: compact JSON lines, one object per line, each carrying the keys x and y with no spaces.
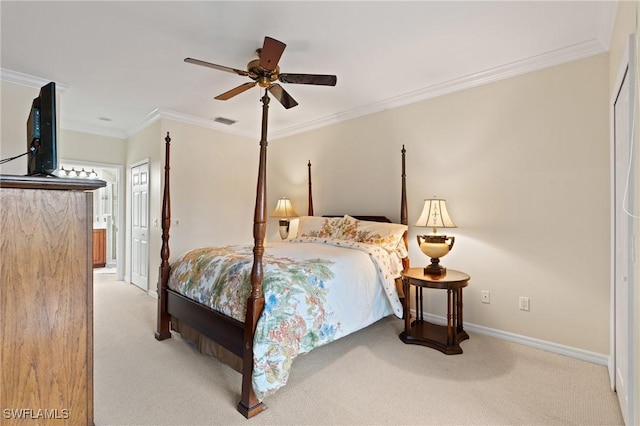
{"x":41,"y":133}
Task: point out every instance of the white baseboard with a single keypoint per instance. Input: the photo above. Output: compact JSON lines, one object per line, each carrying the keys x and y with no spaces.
{"x":581,"y":354}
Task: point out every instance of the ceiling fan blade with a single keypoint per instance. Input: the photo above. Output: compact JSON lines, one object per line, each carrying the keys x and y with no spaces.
{"x":235,"y":91}
{"x":282,"y":96}
{"x":319,"y":79}
{"x":271,"y":52}
{"x":219,"y":67}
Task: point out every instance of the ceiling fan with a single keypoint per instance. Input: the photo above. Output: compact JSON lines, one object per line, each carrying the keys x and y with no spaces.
{"x":265,"y":72}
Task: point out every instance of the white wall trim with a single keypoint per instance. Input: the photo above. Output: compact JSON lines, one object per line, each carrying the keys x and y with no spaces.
{"x":557,"y":57}
{"x":581,"y":354}
{"x":37,"y":82}
{"x":606,"y":17}
{"x":550,"y":59}
{"x":92,"y":130}
{"x":146,"y":160}
{"x":535,"y":63}
{"x":151,"y":118}
{"x":29,"y":80}
{"x":159,"y":113}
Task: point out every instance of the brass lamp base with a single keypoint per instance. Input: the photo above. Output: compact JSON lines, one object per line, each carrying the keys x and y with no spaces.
{"x":435,"y":268}
{"x":435,"y":246}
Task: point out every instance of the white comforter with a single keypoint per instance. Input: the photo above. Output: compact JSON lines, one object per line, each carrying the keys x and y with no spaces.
{"x":316,"y":291}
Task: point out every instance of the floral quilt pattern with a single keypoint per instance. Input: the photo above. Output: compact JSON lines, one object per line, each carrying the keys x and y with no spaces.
{"x":296,"y":316}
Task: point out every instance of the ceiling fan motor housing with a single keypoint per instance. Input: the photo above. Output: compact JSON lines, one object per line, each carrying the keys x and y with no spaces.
{"x":263,"y":77}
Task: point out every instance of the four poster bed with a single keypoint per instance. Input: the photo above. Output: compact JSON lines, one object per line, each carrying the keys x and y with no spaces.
{"x":338,"y":275}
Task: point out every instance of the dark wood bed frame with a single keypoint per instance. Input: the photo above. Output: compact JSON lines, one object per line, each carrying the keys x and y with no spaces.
{"x":235,"y":336}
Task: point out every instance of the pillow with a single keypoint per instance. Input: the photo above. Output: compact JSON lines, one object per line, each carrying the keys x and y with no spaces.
{"x":348,"y":229}
{"x":316,"y":226}
{"x":386,"y":235}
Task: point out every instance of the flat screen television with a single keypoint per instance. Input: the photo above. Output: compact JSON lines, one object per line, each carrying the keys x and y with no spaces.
{"x":41,"y":133}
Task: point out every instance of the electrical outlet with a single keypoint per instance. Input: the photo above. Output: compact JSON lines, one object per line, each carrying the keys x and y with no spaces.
{"x":524,"y":304}
{"x":485,"y":296}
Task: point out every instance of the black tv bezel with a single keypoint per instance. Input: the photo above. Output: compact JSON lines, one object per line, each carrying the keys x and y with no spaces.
{"x":43,"y":160}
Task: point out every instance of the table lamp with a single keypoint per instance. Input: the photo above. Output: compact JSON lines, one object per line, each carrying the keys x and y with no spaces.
{"x":284,"y":210}
{"x":435,"y":215}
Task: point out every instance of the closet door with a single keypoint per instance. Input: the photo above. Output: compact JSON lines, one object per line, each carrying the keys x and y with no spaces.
{"x":624,"y":193}
{"x":140,"y":225}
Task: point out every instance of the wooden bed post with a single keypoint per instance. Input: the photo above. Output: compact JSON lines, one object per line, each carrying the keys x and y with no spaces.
{"x":404,"y":219}
{"x":249,"y":405}
{"x":404,"y":216}
{"x":310,"y":200}
{"x":162,"y":328}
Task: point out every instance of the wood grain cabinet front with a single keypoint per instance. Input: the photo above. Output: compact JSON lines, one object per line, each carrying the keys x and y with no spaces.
{"x":46,"y":301}
{"x":99,"y":248}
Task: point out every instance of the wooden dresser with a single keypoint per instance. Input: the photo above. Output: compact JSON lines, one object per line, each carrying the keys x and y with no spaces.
{"x":46,"y":300}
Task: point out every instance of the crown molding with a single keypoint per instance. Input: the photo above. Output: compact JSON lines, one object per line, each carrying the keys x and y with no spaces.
{"x":92,"y":130}
{"x":151,"y":118}
{"x":161,"y":113}
{"x":535,"y":63}
{"x":29,"y":80}
{"x":605,"y":21}
{"x":600,"y":44}
{"x":34,"y":82}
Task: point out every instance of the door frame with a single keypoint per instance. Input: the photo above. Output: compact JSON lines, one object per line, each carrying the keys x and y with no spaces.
{"x":627,"y":68}
{"x":120,"y":223}
{"x":130,"y":218}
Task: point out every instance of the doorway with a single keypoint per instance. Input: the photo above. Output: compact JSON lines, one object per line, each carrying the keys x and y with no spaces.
{"x":107,"y":207}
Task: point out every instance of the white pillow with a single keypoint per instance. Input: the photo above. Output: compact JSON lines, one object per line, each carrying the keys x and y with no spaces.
{"x":317,"y":226}
{"x":386,"y":235}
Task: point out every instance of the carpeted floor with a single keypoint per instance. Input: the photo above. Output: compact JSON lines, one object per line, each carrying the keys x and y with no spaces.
{"x":369,"y":377}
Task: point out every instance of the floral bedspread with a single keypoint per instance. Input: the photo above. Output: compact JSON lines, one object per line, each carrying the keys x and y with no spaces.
{"x":316,"y":291}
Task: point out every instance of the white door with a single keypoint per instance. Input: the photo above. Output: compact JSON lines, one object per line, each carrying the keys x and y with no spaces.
{"x":623,"y":225}
{"x":140,"y":225}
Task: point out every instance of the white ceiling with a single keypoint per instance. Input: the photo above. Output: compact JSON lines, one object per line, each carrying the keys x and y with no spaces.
{"x":124,"y":60}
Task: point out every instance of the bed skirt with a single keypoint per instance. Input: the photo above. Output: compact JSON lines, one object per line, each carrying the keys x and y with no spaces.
{"x":205,"y":345}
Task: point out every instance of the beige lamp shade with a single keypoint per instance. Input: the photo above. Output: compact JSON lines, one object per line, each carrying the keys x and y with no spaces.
{"x":435,"y":215}
{"x":284,"y":209}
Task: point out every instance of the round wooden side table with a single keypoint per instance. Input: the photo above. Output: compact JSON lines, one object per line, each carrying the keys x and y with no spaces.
{"x":418,"y":331}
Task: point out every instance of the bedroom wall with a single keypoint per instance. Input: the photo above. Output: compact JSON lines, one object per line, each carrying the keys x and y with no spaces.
{"x":213,"y":176}
{"x":213,"y":185}
{"x":91,"y":148}
{"x":535,"y":154}
{"x":524,"y":166}
{"x":522,"y":147}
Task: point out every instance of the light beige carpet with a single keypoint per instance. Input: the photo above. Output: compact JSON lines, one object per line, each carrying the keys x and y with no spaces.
{"x":369,"y":377}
